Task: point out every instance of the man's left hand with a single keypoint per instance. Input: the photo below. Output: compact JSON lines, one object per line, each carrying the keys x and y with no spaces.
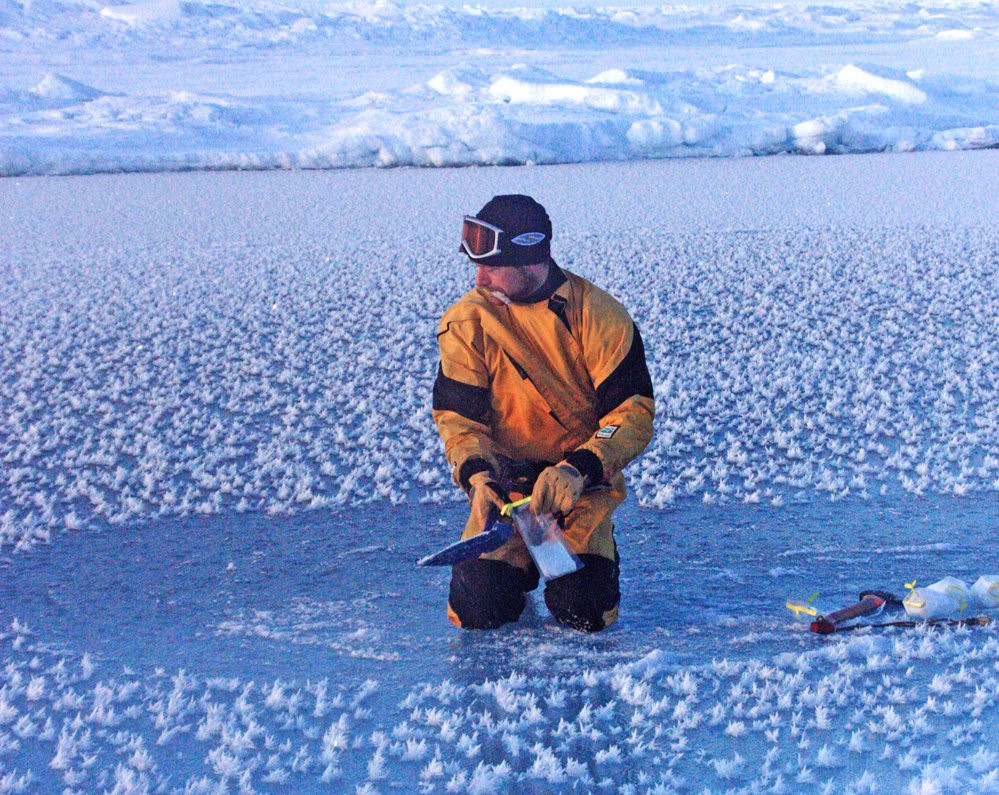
{"x":557,"y":489}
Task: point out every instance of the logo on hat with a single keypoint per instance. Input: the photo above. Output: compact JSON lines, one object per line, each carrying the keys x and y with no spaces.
{"x":528,"y":239}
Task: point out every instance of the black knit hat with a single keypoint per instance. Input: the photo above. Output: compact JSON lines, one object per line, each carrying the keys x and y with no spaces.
{"x":526,"y":226}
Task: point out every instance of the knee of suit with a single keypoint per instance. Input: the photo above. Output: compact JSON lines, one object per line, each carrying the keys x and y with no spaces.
{"x":486,"y":594}
{"x":588,"y":599}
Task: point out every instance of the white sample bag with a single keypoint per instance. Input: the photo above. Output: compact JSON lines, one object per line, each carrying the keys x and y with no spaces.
{"x":943,"y":598}
{"x":985,"y":591}
{"x":545,"y":541}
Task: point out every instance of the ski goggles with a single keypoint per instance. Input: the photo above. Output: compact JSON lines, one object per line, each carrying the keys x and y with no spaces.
{"x":478,"y":239}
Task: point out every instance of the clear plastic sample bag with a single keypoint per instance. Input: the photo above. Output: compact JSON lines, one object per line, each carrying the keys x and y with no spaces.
{"x":545,"y":541}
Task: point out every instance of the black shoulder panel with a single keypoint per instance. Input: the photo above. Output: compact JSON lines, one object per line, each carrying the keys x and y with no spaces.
{"x":631,"y":377}
{"x":471,"y":402}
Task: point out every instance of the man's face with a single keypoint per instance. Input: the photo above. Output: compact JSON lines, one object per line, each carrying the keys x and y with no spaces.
{"x":514,"y":283}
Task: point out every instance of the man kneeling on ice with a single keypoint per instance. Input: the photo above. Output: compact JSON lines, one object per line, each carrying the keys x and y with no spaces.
{"x":542,"y":391}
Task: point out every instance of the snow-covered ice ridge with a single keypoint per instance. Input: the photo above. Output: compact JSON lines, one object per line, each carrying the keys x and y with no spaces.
{"x":211,"y":344}
{"x":167,"y":85}
{"x":904,"y":713}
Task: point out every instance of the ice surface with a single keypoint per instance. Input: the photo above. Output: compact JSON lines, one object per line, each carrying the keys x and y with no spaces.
{"x":215,"y":406}
{"x":191,"y":345}
{"x":252,"y":84}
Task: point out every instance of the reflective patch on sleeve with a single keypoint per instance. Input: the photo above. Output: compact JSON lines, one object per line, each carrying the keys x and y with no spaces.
{"x":607,"y":431}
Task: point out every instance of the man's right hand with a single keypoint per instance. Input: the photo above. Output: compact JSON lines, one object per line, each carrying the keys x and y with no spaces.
{"x":484,"y":494}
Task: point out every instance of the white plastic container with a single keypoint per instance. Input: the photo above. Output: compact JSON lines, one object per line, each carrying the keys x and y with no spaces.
{"x":985,"y":591}
{"x":943,"y":598}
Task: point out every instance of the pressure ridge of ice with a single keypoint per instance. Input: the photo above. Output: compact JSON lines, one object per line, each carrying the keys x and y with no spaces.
{"x":260,"y":85}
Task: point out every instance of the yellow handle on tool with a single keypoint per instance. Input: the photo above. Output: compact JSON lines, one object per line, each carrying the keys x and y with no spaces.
{"x":507,"y":510}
